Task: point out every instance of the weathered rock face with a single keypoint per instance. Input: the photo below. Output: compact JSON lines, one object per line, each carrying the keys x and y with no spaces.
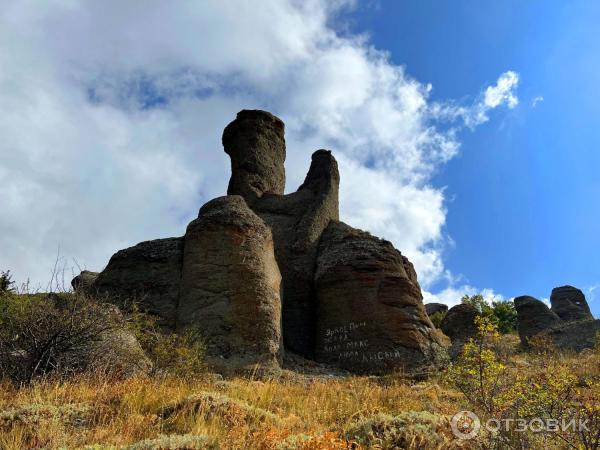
{"x":569,"y":304}
{"x":84,"y":281}
{"x":574,"y":336}
{"x":371,"y":318}
{"x":533,"y":317}
{"x":230,"y":286}
{"x":459,"y":325}
{"x":147,"y":273}
{"x":297,"y":221}
{"x":433,"y":308}
{"x":255,"y":142}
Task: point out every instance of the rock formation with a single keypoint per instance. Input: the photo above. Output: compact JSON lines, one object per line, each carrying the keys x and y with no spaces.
{"x":569,"y":304}
{"x":148,"y":274}
{"x":371,"y":317}
{"x":84,"y":281}
{"x":569,"y":324}
{"x":459,"y":325}
{"x":342,"y":290}
{"x":230,"y":286}
{"x":533,"y":317}
{"x":433,"y":308}
{"x":297,"y":221}
{"x":256,"y":145}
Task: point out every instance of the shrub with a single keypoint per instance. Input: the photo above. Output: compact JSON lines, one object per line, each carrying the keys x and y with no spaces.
{"x":408,"y":430}
{"x":180,"y":354}
{"x":437,"y":318}
{"x":549,"y":390}
{"x":175,"y":442}
{"x":52,"y":334}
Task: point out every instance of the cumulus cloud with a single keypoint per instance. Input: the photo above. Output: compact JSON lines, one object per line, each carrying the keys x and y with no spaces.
{"x":112,"y":115}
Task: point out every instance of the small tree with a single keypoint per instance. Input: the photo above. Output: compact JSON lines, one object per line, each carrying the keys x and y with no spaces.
{"x":6,"y":282}
{"x":502,"y":313}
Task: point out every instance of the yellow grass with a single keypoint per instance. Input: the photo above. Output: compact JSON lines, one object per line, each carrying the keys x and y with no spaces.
{"x":241,"y":413}
{"x":253,"y":413}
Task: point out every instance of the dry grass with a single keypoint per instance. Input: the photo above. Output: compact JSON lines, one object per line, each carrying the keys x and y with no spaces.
{"x":240,"y":413}
{"x":290,"y":412}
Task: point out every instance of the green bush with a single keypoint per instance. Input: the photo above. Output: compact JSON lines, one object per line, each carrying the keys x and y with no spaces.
{"x":180,"y":354}
{"x":6,"y":282}
{"x":502,"y":313}
{"x":437,"y":318}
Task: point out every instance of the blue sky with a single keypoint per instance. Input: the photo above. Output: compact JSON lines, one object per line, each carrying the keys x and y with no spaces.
{"x":524,"y":191}
{"x":463,"y":130}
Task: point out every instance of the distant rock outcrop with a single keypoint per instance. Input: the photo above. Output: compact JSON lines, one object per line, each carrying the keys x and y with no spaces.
{"x":343,"y":291}
{"x":433,"y":308}
{"x":569,"y":324}
{"x":534,"y":316}
{"x":459,"y":325}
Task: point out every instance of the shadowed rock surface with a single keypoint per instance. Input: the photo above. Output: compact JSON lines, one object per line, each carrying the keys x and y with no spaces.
{"x":432,"y":308}
{"x":569,"y":304}
{"x":147,"y":273}
{"x":533,"y":317}
{"x":371,"y":318}
{"x":230,"y":286}
{"x":256,"y":145}
{"x":297,"y":221}
{"x":574,"y":336}
{"x":459,"y":325}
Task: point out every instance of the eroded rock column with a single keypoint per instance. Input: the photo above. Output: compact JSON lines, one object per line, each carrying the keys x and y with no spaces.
{"x":256,"y":144}
{"x":230,"y":286}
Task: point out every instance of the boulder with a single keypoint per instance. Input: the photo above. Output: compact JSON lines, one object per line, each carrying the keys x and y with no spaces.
{"x":84,"y":282}
{"x":574,"y":336}
{"x":569,"y":304}
{"x":230,"y":286}
{"x":147,"y":274}
{"x":533,"y":317}
{"x":459,"y":325}
{"x":255,"y":142}
{"x":433,"y":308}
{"x":370,"y":314}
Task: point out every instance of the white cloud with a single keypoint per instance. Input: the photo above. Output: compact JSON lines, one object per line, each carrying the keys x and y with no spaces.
{"x":503,"y":91}
{"x":112,"y":117}
{"x":453,"y":294}
{"x":536,"y":100}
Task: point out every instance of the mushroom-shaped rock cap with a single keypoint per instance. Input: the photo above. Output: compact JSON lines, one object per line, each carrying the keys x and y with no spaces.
{"x":256,"y":145}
